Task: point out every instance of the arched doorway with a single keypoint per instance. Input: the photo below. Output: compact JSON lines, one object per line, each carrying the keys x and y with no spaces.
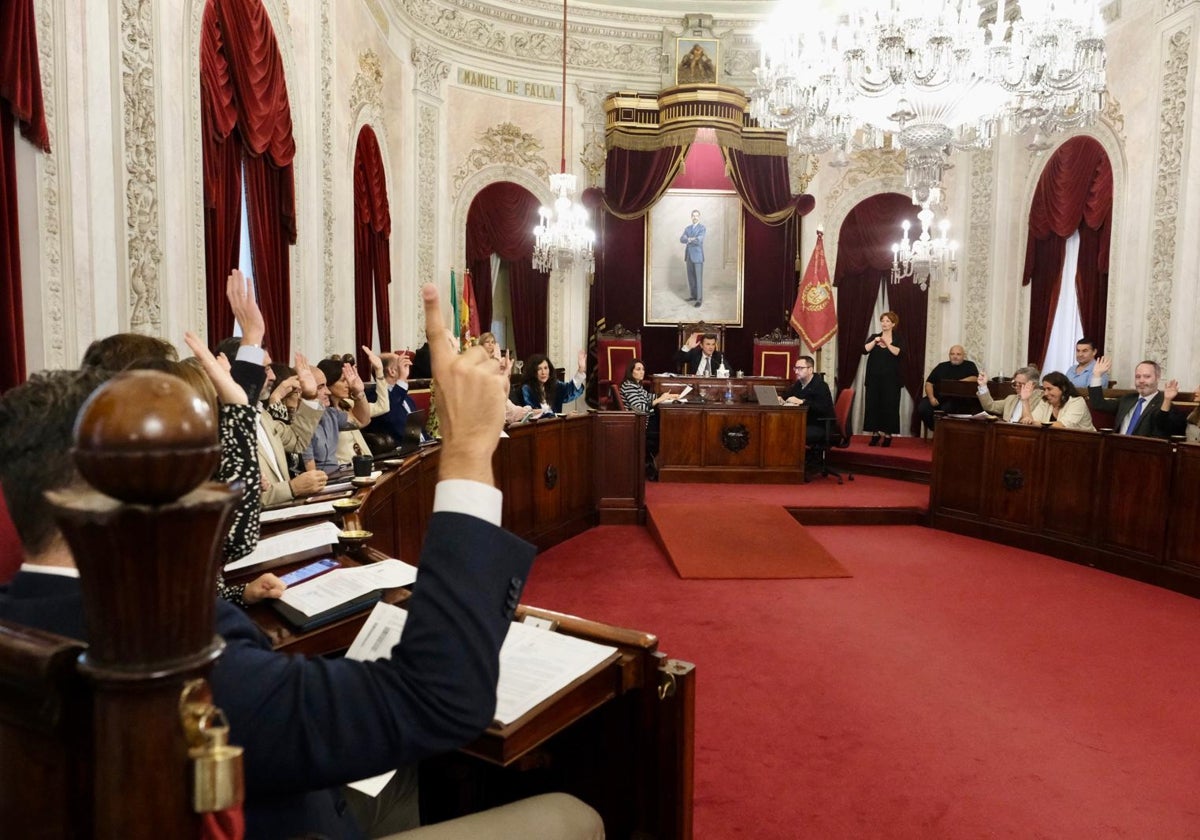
{"x":864,"y":261}
{"x":1070,"y":226}
{"x":509,"y":293}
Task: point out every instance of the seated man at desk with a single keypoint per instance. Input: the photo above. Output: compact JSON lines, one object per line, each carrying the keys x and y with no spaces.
{"x":1010,"y":408}
{"x":955,"y":368}
{"x":309,"y":725}
{"x":700,"y":354}
{"x":1147,"y":411}
{"x":810,"y":390}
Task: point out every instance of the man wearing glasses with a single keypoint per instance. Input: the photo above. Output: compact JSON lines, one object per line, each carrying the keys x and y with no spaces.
{"x":810,"y":390}
{"x":1010,"y":408}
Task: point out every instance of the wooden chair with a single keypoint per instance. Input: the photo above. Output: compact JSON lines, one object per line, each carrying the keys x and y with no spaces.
{"x":774,"y":354}
{"x":615,"y":349}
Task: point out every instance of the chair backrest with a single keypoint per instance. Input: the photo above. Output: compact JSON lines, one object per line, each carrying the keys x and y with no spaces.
{"x":615,"y":349}
{"x":774,"y":354}
{"x":702,"y":327}
{"x":841,"y":414}
{"x":620,"y":398}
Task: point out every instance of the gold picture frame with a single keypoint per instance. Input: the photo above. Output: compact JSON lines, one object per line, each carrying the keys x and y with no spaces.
{"x":666,"y":287}
{"x":697,"y":61}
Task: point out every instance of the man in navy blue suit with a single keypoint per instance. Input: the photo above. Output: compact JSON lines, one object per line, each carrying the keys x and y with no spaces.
{"x":396,"y":370}
{"x":693,"y":257}
{"x":310,"y":725}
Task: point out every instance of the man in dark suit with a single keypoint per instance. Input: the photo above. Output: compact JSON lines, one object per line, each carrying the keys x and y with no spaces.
{"x":700,"y":354}
{"x":810,"y":390}
{"x":396,"y":370}
{"x":309,"y":725}
{"x":1147,"y":412}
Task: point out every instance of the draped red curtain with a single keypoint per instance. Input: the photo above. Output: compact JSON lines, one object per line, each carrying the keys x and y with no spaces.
{"x":1075,"y":192}
{"x":372,"y":235}
{"x":864,"y":261}
{"x":20,"y":102}
{"x":501,"y":221}
{"x":634,"y":181}
{"x":762,"y":183}
{"x":247,"y":122}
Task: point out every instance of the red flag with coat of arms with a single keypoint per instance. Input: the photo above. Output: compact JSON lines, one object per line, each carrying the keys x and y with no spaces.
{"x":468,"y":311}
{"x":814,"y":316}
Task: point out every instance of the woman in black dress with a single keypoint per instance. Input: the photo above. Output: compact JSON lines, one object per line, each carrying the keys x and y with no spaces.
{"x":882,"y":413}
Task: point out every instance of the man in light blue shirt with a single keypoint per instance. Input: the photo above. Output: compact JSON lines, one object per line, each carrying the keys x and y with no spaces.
{"x":1085,"y":358}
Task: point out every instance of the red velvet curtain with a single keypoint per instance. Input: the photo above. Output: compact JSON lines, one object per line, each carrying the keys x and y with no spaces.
{"x":1075,"y":192}
{"x":762,"y":183}
{"x":864,"y":261}
{"x":20,"y":101}
{"x":247,"y":121}
{"x":372,"y":234}
{"x":501,"y":221}
{"x":634,"y":181}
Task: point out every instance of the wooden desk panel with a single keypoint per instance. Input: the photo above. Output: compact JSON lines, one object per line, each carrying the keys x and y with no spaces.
{"x":700,"y":442}
{"x":711,"y":389}
{"x":1123,"y":504}
{"x":619,"y":452}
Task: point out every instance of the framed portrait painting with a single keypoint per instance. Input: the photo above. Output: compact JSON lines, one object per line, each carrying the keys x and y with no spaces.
{"x":697,"y":61}
{"x":694,"y":258}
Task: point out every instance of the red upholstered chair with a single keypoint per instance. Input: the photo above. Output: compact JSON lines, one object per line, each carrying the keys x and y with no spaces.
{"x":774,"y":354}
{"x":837,"y":433}
{"x":615,"y":349}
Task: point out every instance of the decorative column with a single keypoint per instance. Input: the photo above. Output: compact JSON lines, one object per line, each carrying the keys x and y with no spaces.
{"x":431,"y":71}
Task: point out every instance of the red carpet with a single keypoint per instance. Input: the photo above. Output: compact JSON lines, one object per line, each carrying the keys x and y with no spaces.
{"x":951,"y":689}
{"x":738,"y":541}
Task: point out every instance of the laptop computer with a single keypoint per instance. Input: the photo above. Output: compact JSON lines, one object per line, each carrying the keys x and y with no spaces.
{"x":414,"y":427}
{"x":766,"y":395}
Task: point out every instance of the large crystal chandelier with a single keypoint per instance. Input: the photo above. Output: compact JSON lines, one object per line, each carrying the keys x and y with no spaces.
{"x":926,"y":73}
{"x":927,"y":259}
{"x":563,"y":234}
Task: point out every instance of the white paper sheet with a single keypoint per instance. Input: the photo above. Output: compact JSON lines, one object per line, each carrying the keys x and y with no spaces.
{"x":296,"y":512}
{"x":374,"y":641}
{"x":289,"y":542}
{"x":335,"y":588}
{"x":536,"y":663}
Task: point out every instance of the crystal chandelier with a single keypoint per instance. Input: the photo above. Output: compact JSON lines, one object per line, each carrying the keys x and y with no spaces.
{"x":563,"y":235}
{"x":926,"y":260}
{"x":926,"y":73}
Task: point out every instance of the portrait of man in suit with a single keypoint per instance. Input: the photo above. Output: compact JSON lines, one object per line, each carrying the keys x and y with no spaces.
{"x":693,"y":257}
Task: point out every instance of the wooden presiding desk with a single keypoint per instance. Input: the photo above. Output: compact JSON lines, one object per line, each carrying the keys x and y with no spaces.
{"x":620,"y":736}
{"x":740,"y":441}
{"x":1121,"y":503}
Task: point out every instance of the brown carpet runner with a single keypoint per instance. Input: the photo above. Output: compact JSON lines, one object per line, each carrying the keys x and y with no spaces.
{"x":738,"y":541}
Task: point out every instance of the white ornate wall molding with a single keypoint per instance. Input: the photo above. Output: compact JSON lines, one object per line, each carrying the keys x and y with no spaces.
{"x":1169,"y":7}
{"x":592,"y":154}
{"x":366,"y":95}
{"x":870,"y":172}
{"x":431,"y":72}
{"x":474,"y":27}
{"x":58,"y":319}
{"x":139,"y":121}
{"x":325,"y":97}
{"x":1168,"y":171}
{"x":504,"y":145}
{"x":981,"y":225}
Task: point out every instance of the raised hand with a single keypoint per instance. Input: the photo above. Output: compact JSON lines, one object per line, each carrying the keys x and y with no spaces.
{"x":304,"y":374}
{"x":376,"y":362}
{"x":229,"y":391}
{"x":1025,"y":391}
{"x":583,"y":361}
{"x":1170,"y":390}
{"x":285,"y":388}
{"x":352,"y":378}
{"x":693,"y":340}
{"x":1103,"y":365}
{"x":982,"y":379}
{"x":240,"y":293}
{"x":470,"y":398}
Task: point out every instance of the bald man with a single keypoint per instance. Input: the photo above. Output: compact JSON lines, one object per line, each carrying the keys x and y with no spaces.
{"x":956,"y":368}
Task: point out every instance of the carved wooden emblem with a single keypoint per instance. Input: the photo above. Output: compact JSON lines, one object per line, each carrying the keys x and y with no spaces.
{"x":551,"y":477}
{"x":735,"y":438}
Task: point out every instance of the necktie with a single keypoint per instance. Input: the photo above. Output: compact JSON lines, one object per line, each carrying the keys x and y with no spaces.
{"x":1133,"y":418}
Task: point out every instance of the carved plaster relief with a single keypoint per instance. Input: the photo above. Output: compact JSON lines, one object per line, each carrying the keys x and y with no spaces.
{"x":1170,"y":7}
{"x":431,"y":69}
{"x":427,"y":190}
{"x":480,"y":27}
{"x":1172,"y":125}
{"x":366,"y":91}
{"x":507,"y":145}
{"x":53,"y":211}
{"x":981,"y":223}
{"x":327,"y":278}
{"x":138,"y":119}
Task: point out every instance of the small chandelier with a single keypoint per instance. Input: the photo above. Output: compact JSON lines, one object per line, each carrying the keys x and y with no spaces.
{"x":926,"y":260}
{"x":927,"y":74}
{"x":563,"y":235}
